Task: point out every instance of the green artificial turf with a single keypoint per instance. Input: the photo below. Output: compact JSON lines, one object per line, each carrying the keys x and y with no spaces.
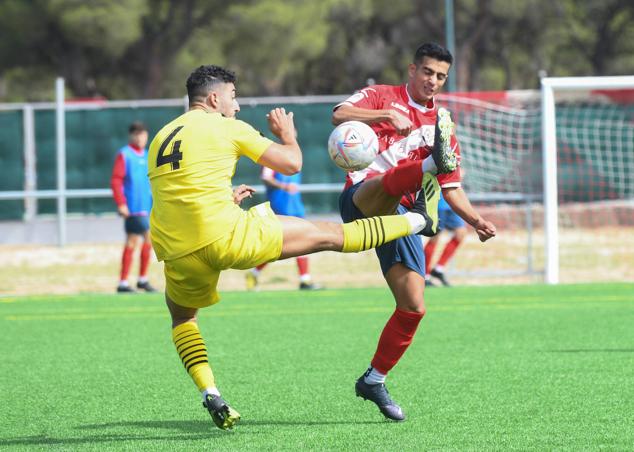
{"x":491,"y":368}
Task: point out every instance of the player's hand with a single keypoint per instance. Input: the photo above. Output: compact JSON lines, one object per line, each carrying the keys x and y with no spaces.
{"x":241,"y":192}
{"x":485,"y":229}
{"x":291,"y":188}
{"x":282,"y":125}
{"x":401,"y":123}
{"x":123,"y":211}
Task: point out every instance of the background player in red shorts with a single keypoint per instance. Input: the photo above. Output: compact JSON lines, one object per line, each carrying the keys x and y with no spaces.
{"x":405,"y":120}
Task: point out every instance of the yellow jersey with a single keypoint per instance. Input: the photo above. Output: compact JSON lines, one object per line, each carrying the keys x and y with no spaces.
{"x":190,"y":165}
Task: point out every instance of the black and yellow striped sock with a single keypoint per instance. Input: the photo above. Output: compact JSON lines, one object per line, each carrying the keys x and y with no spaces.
{"x":367,"y":233}
{"x":193,"y":353}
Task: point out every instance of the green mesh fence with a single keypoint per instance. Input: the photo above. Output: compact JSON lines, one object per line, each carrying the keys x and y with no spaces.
{"x":93,"y":137}
{"x":501,"y":150}
{"x":595,"y":144}
{"x":11,"y":161}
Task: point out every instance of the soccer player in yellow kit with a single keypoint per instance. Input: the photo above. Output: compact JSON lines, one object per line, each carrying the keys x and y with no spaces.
{"x":198,"y":230}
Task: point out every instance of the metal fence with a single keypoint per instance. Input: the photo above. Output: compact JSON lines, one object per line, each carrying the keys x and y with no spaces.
{"x":326,"y":180}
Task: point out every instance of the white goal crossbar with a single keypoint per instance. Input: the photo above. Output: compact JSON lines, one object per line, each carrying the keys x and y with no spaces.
{"x":549,"y":155}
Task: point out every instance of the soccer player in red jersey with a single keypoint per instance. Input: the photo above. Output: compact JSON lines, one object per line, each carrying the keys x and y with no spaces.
{"x":407,"y":121}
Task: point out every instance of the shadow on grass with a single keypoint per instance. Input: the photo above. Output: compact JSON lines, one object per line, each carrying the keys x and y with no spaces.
{"x":44,"y":440}
{"x":189,"y":430}
{"x":309,"y":423}
{"x":593,"y":350}
{"x":198,"y":426}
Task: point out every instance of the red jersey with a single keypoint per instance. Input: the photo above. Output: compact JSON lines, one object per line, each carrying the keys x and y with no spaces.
{"x":395,"y":148}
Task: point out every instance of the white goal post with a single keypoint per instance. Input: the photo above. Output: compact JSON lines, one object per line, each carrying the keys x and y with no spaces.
{"x":551,"y":85}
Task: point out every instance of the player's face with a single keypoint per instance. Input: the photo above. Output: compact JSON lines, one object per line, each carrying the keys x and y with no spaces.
{"x":227,"y":105}
{"x":427,"y":79}
{"x":139,"y":139}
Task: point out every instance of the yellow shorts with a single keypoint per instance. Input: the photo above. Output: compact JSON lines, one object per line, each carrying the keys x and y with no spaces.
{"x":191,"y":280}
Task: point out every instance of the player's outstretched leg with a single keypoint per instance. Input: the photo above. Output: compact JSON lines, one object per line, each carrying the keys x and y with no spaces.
{"x":368,"y":233}
{"x":442,"y":152}
{"x":302,"y":237}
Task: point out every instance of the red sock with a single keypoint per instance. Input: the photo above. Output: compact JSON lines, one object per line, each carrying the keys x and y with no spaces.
{"x":302,"y":265}
{"x":126,"y":260}
{"x":449,"y":251}
{"x":396,"y":337}
{"x":145,"y":258}
{"x":260,"y":267}
{"x":429,"y":252}
{"x":404,"y":178}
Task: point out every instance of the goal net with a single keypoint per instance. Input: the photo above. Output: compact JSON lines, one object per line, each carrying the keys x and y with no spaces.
{"x":588,"y":155}
{"x":499,"y":134}
{"x":555,"y":172}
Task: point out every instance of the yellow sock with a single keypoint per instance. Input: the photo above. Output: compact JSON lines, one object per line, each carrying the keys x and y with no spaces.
{"x":368,"y":233}
{"x":193,"y":353}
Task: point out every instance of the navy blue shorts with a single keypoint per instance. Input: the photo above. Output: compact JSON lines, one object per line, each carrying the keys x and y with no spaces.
{"x":137,"y":224}
{"x":448,"y":219}
{"x":407,"y":251}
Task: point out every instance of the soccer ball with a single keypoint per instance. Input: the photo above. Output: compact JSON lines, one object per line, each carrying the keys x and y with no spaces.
{"x":353,"y":145}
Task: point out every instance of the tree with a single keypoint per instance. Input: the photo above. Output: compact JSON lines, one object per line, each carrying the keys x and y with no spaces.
{"x":146,"y":48}
{"x":600,"y":33}
{"x":116,"y":49}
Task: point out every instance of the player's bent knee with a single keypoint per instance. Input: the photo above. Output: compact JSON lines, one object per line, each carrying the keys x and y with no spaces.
{"x":418,"y":309}
{"x":180,"y":314}
{"x":413,"y":306}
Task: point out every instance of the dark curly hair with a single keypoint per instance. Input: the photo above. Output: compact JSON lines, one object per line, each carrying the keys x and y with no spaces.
{"x":432,"y":50}
{"x":203,"y":78}
{"x":136,"y":127}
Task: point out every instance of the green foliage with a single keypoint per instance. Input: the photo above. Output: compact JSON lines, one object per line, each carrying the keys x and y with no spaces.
{"x":28,"y":82}
{"x":91,"y":22}
{"x":146,"y":48}
{"x":292,"y":36}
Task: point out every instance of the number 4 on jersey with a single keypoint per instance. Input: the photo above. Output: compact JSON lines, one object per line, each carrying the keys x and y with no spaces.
{"x":175,"y":156}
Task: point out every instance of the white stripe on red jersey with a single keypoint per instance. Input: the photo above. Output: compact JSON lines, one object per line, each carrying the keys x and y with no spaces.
{"x":395,"y":148}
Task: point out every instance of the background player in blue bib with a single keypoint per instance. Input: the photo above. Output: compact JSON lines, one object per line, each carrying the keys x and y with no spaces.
{"x":131,"y":191}
{"x":283,"y":193}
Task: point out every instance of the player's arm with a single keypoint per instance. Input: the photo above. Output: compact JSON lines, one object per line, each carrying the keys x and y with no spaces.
{"x":284,"y":157}
{"x":345,"y":112}
{"x":116,"y":184}
{"x":459,"y":203}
